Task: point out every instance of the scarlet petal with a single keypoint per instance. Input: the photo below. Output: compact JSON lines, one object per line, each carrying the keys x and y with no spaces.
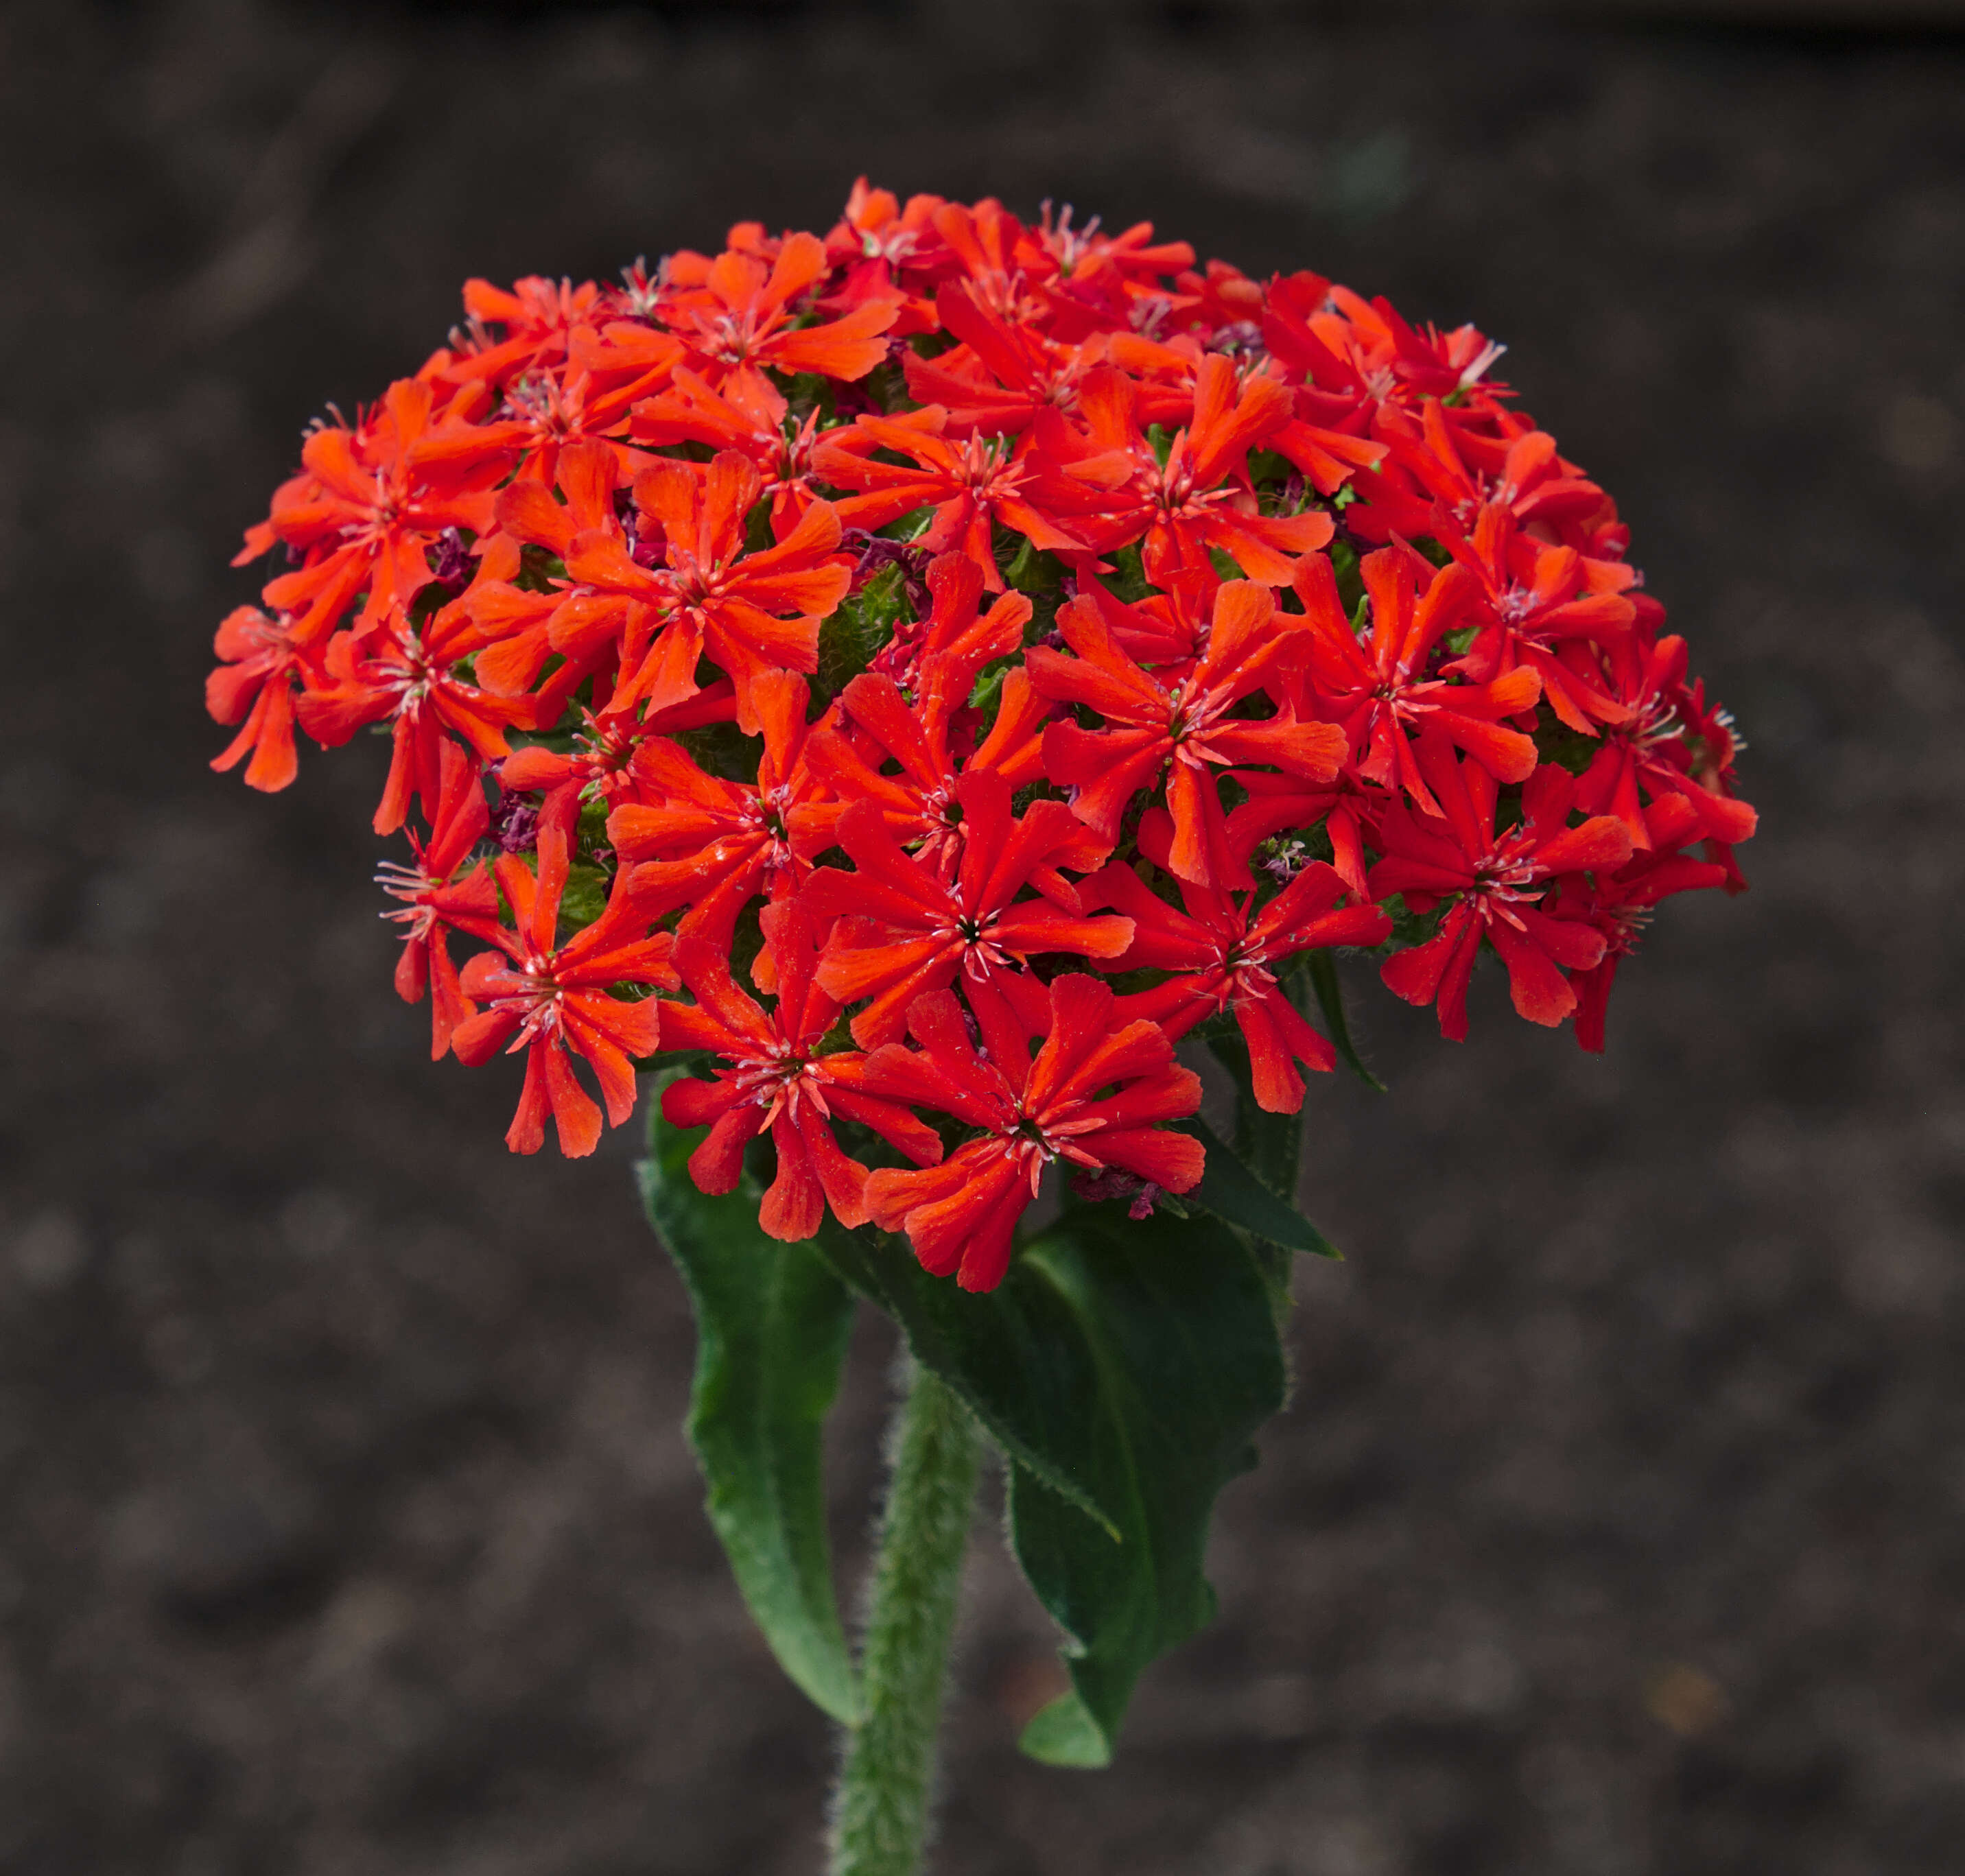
{"x":476,"y":1041}
{"x":575,"y":1111}
{"x":527,"y":1133}
{"x":795,"y":1207}
{"x":844,"y":1180}
{"x":1279,"y":1088}
{"x":1540,"y":990}
{"x":1602,"y":843}
{"x":718,"y":1163}
{"x":1176,"y":1161}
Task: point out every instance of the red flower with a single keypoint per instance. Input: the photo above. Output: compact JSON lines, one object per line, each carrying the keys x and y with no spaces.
{"x":877,"y":232}
{"x":1550,"y":609}
{"x":956,"y":629}
{"x":972,"y":488}
{"x":374,"y":501}
{"x":436,"y":902}
{"x":558,"y":527}
{"x":584,"y":625}
{"x":1283,"y":804}
{"x":255,"y":680}
{"x":960,"y":1214}
{"x":1189,"y":505}
{"x":751,"y":613}
{"x":1339,"y":340}
{"x":1453,"y":468}
{"x":775,"y":1078}
{"x":411,"y":678}
{"x":739,"y":320}
{"x":903,"y":929}
{"x":1184,"y":731}
{"x":933,"y":737}
{"x":1379,"y":690}
{"x":1000,"y":376}
{"x":1499,"y":881}
{"x":730,"y":840}
{"x":1083,"y":253}
{"x":552,"y":999}
{"x":1224,"y":950}
{"x":1669,"y":743}
{"x":556,"y":410}
{"x":538,"y":315}
{"x":1620,"y":904}
{"x":595,"y":772}
{"x":740,"y":418}
{"x":992,"y":253}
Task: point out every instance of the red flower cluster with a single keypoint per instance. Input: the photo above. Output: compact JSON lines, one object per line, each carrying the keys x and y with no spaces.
{"x":1007,"y":647}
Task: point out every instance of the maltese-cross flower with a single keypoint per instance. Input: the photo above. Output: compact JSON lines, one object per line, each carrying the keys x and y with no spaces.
{"x":1193,"y":501}
{"x":436,"y":902}
{"x":738,"y":321}
{"x":999,"y":377}
{"x":1620,"y":904}
{"x":751,"y":613}
{"x":932,"y":739}
{"x":370,"y":500}
{"x":552,"y":1000}
{"x":1225,"y":950}
{"x":258,"y":664}
{"x":597,"y":771}
{"x":588,"y":401}
{"x":1184,"y":732}
{"x":775,"y":1079}
{"x":1550,"y":608}
{"x":1094,"y":1096}
{"x":539,"y":316}
{"x":413,"y":678}
{"x":735,"y":838}
{"x":956,"y":626}
{"x":596,"y":548}
{"x":902,"y":928}
{"x":1380,"y":690}
{"x":1497,"y":881}
{"x":1667,"y":745}
{"x":576,"y":629}
{"x":974,"y":487}
{"x":690,"y":411}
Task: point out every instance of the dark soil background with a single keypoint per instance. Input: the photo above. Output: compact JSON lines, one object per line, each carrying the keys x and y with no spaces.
{"x":1618,"y":1527}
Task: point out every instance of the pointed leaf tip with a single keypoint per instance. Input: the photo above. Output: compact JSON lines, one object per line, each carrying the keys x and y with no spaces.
{"x":1064,"y":1733}
{"x":773,"y":1321}
{"x":1331,"y":1001}
{"x":1232,"y":1192}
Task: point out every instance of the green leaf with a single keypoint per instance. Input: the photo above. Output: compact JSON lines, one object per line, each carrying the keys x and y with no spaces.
{"x":864,"y":622}
{"x":1187,"y":1363}
{"x":1006,"y":1354}
{"x":1124,"y":1367}
{"x":583,"y":900}
{"x":1231,"y":1191}
{"x":1065,"y":1734}
{"x":773,"y":1321}
{"x":1322,"y":969}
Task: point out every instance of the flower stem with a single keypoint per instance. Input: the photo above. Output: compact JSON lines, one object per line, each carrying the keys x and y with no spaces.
{"x":880,"y":1801}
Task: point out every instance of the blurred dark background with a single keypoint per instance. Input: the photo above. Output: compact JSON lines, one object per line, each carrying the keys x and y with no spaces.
{"x":1618,"y":1527}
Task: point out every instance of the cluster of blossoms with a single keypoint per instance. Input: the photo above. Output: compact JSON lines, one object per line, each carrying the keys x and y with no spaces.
{"x":917,"y":675}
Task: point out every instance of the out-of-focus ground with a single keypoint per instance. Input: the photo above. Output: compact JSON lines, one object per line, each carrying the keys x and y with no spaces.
{"x":1618,"y":1528}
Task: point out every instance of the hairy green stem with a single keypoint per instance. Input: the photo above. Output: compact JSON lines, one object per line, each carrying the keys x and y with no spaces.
{"x":880,"y":1802}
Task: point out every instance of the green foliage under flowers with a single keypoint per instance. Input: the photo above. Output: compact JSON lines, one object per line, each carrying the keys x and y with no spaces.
{"x":772,"y":1323}
{"x":852,"y":637}
{"x":1122,"y":1368}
